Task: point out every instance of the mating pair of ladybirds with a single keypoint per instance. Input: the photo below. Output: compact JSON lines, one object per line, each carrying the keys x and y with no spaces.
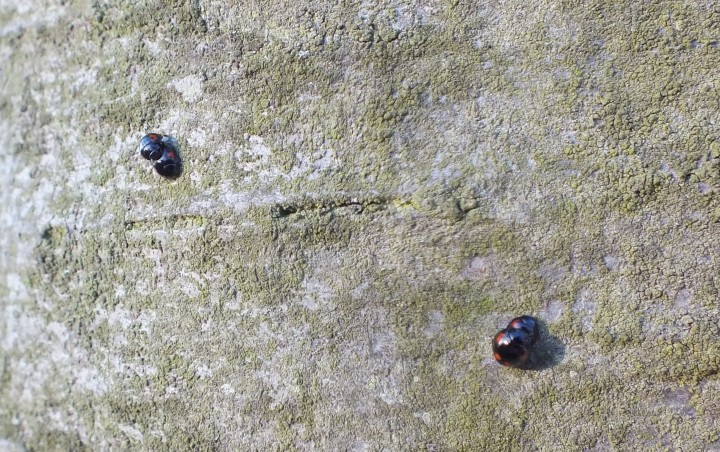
{"x":164,"y":150}
{"x":512,"y":345}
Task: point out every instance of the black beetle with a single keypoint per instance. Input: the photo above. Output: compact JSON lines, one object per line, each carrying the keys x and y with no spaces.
{"x":164,"y":150}
{"x":512,"y":346}
{"x":151,"y":146}
{"x":528,"y":324}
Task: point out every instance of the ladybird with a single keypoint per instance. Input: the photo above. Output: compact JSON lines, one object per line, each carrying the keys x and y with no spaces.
{"x":151,"y":146}
{"x":164,"y":150}
{"x":528,"y":324}
{"x":168,"y":165}
{"x":511,"y":347}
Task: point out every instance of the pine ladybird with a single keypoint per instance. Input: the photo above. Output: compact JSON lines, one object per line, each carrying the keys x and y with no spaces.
{"x":511,"y":347}
{"x":164,"y":150}
{"x":168,"y":165}
{"x":151,"y":146}
{"x":528,"y":324}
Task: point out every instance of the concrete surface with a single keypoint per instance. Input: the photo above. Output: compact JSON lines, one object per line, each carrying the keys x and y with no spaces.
{"x":371,"y":190}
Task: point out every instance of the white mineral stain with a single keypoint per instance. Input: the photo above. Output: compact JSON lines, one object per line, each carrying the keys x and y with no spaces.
{"x":189,"y":289}
{"x":317,"y":294}
{"x":84,"y":77}
{"x":435,"y":324}
{"x":132,"y":432}
{"x":552,"y":311}
{"x":197,"y":137}
{"x":191,"y":87}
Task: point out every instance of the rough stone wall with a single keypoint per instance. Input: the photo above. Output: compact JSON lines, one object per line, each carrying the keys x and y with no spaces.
{"x":371,"y":190}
